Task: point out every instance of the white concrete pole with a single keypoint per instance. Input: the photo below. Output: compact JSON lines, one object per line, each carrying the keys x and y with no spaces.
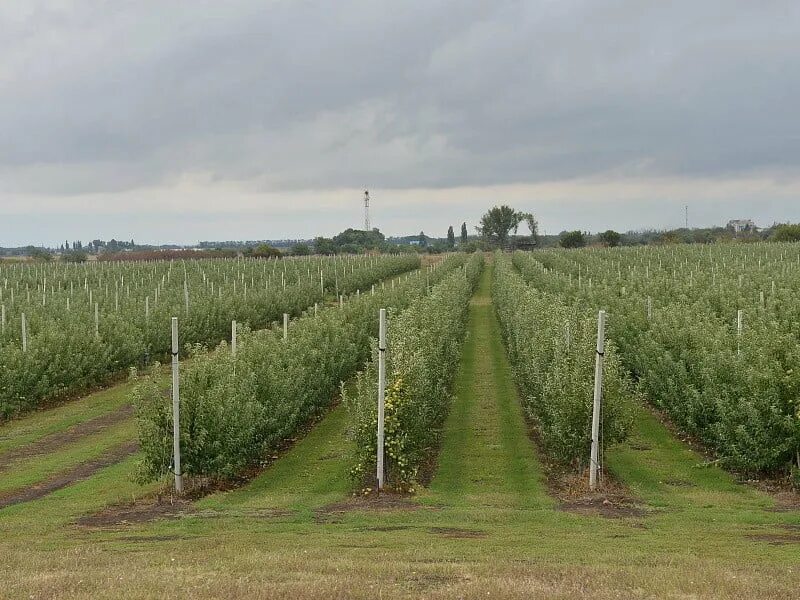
{"x":176,"y":417}
{"x":24,"y":334}
{"x":598,"y":394}
{"x":739,"y":325}
{"x":285,"y":326}
{"x":381,"y":394}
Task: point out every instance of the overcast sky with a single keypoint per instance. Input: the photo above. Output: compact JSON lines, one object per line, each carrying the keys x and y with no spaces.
{"x":178,"y":121}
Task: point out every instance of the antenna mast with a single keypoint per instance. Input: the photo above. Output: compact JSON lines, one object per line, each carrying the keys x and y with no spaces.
{"x":366,"y":210}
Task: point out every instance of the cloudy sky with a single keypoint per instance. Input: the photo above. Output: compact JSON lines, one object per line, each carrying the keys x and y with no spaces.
{"x":250,"y":119}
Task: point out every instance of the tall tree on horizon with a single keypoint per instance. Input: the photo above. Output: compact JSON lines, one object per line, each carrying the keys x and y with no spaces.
{"x":463,"y":233}
{"x":451,"y":237}
{"x":500,"y":221}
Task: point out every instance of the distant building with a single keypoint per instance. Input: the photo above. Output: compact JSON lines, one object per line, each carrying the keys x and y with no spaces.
{"x":741,"y":225}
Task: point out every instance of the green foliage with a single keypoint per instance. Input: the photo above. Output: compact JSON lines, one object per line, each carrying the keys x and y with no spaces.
{"x":325,"y":246}
{"x":352,"y":241}
{"x":786,"y":233}
{"x":737,"y":394}
{"x":669,"y":237}
{"x":64,"y":354}
{"x":300,"y":250}
{"x":500,"y":221}
{"x":237,"y":410}
{"x":473,"y":246}
{"x":424,"y":343}
{"x":551,"y":346}
{"x":572,"y":239}
{"x":610,"y":238}
{"x":74,"y":256}
{"x":40,"y":254}
{"x":357,"y":241}
{"x":263,"y":251}
{"x":451,"y":238}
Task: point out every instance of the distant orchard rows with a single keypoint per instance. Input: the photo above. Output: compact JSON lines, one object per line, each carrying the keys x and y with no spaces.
{"x":67,"y":327}
{"x":709,"y":334}
{"x":239,"y":407}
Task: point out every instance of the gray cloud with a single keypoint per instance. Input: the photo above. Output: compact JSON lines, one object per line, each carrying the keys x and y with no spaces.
{"x":114,"y":97}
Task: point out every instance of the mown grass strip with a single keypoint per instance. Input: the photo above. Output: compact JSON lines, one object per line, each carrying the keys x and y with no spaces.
{"x":37,"y":425}
{"x":486,"y":455}
{"x":312,"y":472}
{"x":34,"y":469}
{"x":665,"y":472}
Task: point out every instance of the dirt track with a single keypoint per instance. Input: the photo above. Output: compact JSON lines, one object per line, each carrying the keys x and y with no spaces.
{"x":55,"y":441}
{"x":73,"y":475}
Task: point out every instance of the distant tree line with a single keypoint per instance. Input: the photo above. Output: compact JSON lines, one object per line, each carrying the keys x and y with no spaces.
{"x":498,"y":228}
{"x":710,"y":235}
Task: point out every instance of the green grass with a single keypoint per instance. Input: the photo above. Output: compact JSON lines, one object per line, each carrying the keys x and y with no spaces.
{"x":47,"y":522}
{"x":487,"y":458}
{"x":312,"y":473}
{"x":665,"y":472}
{"x":37,"y":425}
{"x":485,"y":527}
{"x":33,"y":469}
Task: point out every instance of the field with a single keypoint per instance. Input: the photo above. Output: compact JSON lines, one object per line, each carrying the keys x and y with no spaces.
{"x":69,"y":327}
{"x":489,"y":382}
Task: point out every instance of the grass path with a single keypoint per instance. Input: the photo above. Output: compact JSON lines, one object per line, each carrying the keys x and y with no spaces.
{"x":487,"y":458}
{"x":312,"y":473}
{"x":667,"y":474}
{"x":18,"y":434}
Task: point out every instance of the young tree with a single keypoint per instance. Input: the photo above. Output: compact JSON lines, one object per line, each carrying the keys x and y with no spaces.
{"x":463,"y":233}
{"x":499,"y":222}
{"x":451,"y":237}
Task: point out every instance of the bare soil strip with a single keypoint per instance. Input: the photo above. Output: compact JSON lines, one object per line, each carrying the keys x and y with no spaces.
{"x":130,"y":513}
{"x":612,"y":499}
{"x":55,"y":441}
{"x":66,"y":478}
{"x":333,"y":513}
